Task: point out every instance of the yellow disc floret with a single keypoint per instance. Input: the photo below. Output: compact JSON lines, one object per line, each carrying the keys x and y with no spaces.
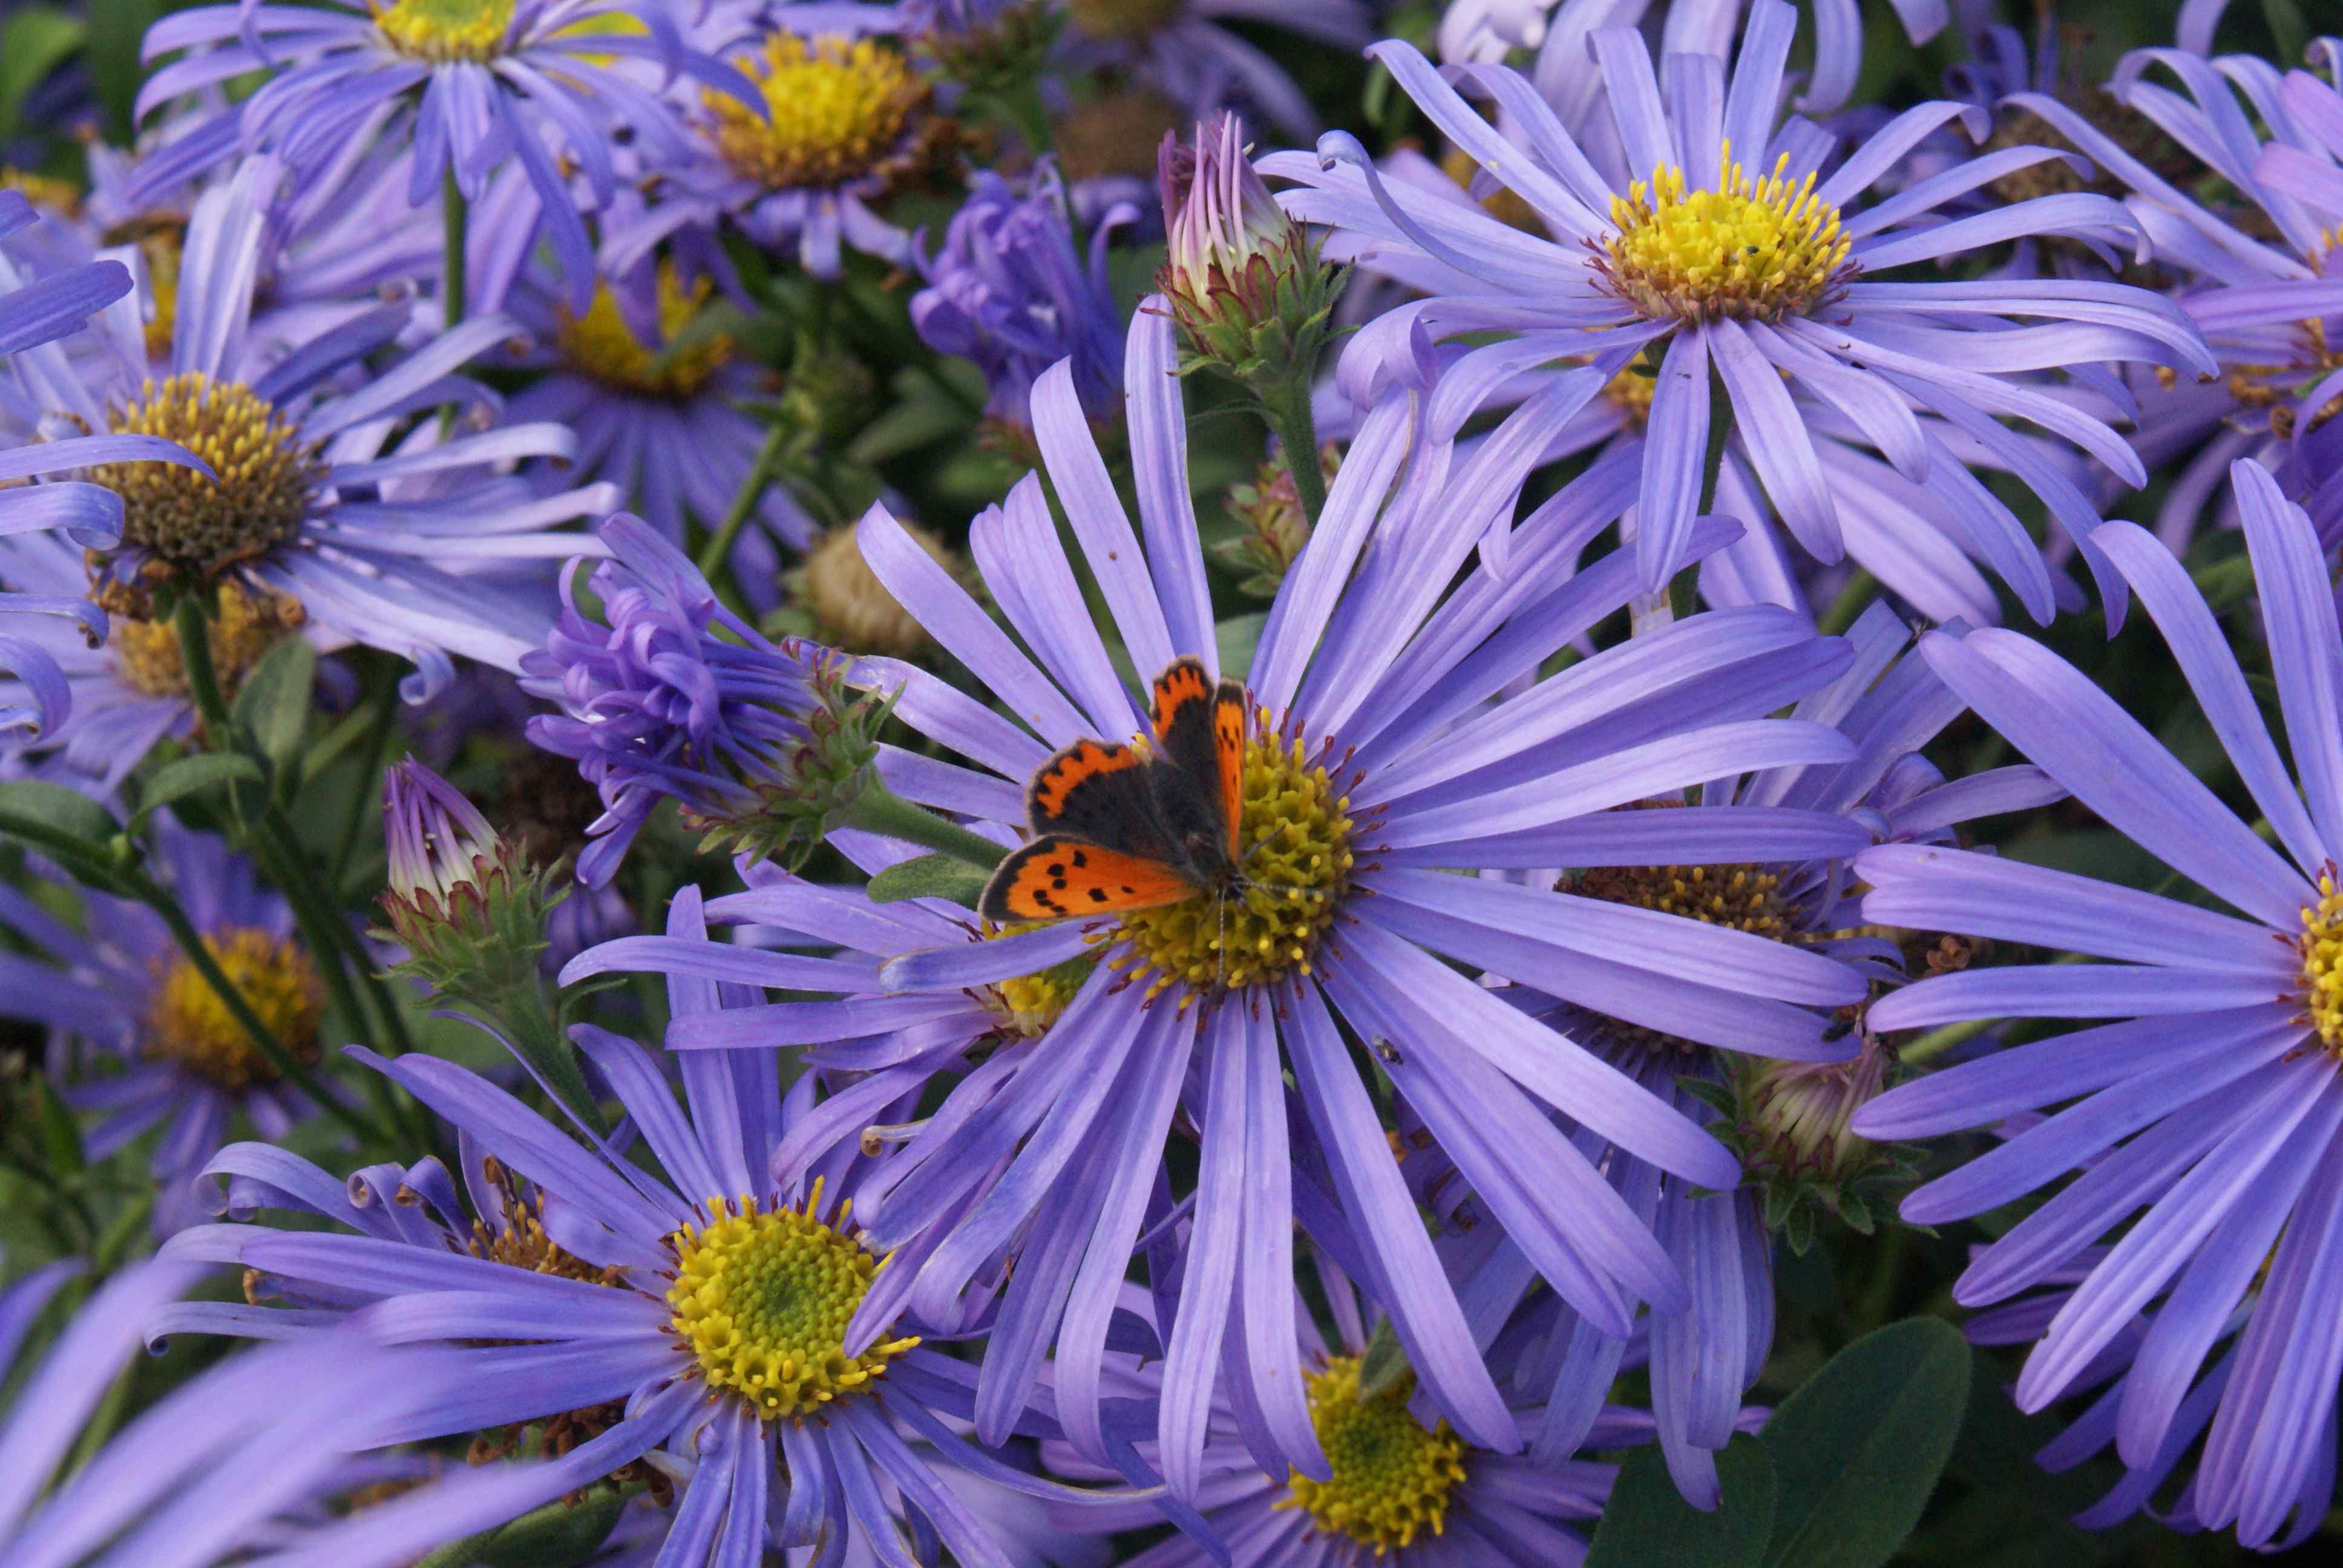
{"x":2322,"y":963}
{"x":445,"y":30}
{"x":1749,"y":248}
{"x":188,"y":1023}
{"x":762,"y":1298}
{"x":1027,"y":1005}
{"x":1744,"y":898}
{"x":147,"y":652}
{"x":1293,"y":854}
{"x":193,"y":524}
{"x":1391,"y":1479}
{"x":836,"y":109}
{"x":602,"y":345}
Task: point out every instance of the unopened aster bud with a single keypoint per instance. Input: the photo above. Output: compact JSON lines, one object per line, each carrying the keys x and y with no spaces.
{"x":1245,"y":282}
{"x":1275,"y":527}
{"x":671,"y":696}
{"x":465,"y":904}
{"x":1792,"y":1128}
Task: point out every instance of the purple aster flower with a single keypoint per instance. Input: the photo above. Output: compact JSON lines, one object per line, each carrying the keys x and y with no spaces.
{"x":203,"y":1475}
{"x":655,"y":705}
{"x":35,"y":311}
{"x":1404,"y":1488}
{"x":1381,"y":757}
{"x":2204,"y":1114}
{"x":1008,"y":289}
{"x":467,"y":87}
{"x":138,"y":1032}
{"x":340,"y":510}
{"x":655,"y":399}
{"x":1702,"y":1360}
{"x":837,"y":119}
{"x":638,"y":1292}
{"x":2261,"y":273}
{"x":1707,"y":27}
{"x":1629,"y":271}
{"x":1181,"y":49}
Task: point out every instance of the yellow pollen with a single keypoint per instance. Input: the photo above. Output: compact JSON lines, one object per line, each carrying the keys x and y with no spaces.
{"x":188,"y":1023}
{"x":1742,"y":897}
{"x":199,"y":526}
{"x":1293,"y":846}
{"x":161,"y":250}
{"x":1028,"y":1005}
{"x":2322,"y":963}
{"x":762,"y":1298}
{"x":147,"y":652}
{"x":521,"y":1243}
{"x":838,"y":109}
{"x":1749,"y":248}
{"x":446,"y":30}
{"x":1391,"y":1480}
{"x":601,"y":344}
{"x":60,"y":196}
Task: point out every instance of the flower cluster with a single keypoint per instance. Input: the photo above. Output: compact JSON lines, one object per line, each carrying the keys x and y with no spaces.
{"x":1036,"y":785}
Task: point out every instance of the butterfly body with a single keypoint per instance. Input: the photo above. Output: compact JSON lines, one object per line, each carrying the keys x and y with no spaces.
{"x":1120,"y":828}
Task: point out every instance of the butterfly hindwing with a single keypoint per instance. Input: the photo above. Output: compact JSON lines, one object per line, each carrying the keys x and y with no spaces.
{"x":1055,"y":877}
{"x":1228,"y":749}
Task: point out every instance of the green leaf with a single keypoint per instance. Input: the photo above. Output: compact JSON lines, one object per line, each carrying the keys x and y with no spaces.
{"x":1648,"y":1525}
{"x":60,"y":1133}
{"x":42,"y":812}
{"x":1857,"y":1449}
{"x":32,"y":45}
{"x":273,"y":705}
{"x":928,"y":877}
{"x":117,"y":28}
{"x":1384,"y":1364}
{"x":192,"y":774}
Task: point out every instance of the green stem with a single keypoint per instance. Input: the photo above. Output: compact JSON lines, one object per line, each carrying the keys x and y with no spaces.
{"x":1288,"y":412}
{"x":718,"y":548}
{"x":879,"y":809}
{"x":455,"y":219}
{"x":1937,"y":1041}
{"x":1849,"y":604}
{"x":1720,"y":431}
{"x":354,"y":816}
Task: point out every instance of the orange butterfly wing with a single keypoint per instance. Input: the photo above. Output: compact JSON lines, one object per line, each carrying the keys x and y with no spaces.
{"x":1183,"y":681}
{"x":1228,"y":746}
{"x":1199,"y":727}
{"x":1055,"y":878}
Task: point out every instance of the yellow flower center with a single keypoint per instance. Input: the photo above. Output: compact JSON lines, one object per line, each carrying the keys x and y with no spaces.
{"x":1749,"y":248}
{"x":147,"y":652}
{"x":601,"y":344}
{"x":835,"y":108}
{"x":2322,"y":963}
{"x":445,"y":30}
{"x":1742,"y":897}
{"x":188,"y":1023}
{"x":1029,"y":1004}
{"x":762,"y":1298}
{"x":1293,"y":846}
{"x":1123,"y":18}
{"x":190,"y":523}
{"x":1391,"y":1479}
{"x":60,"y":196}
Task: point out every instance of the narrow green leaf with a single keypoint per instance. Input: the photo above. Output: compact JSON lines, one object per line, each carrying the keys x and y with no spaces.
{"x":192,"y":774}
{"x":1858,"y":1448}
{"x":34,"y":41}
{"x":1648,"y":1525}
{"x":1384,"y":1364}
{"x":274,"y":704}
{"x":52,"y":809}
{"x":60,"y":1133}
{"x":928,"y":877}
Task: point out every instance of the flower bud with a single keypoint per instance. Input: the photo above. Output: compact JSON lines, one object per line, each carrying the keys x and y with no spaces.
{"x":465,"y":904}
{"x":1792,"y":1127}
{"x":1244,"y":281}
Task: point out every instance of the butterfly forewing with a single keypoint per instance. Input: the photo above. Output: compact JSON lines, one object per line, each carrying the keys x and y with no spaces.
{"x":1055,"y":878}
{"x":1190,"y":728}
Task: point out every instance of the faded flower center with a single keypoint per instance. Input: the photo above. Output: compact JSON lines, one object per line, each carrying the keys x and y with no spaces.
{"x":446,"y":30}
{"x":836,"y":107}
{"x":1123,"y":18}
{"x":762,"y":1298}
{"x":602,"y":345}
{"x":147,"y":652}
{"x":1115,"y":134}
{"x":2322,"y":963}
{"x":1742,"y":897}
{"x":1027,"y":1005}
{"x":2276,"y":388}
{"x":1761,"y":249}
{"x":1390,"y":1479}
{"x":1294,"y":852}
{"x":850,"y":609}
{"x":1630,"y":392}
{"x":196,"y":525}
{"x":188,"y":1023}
